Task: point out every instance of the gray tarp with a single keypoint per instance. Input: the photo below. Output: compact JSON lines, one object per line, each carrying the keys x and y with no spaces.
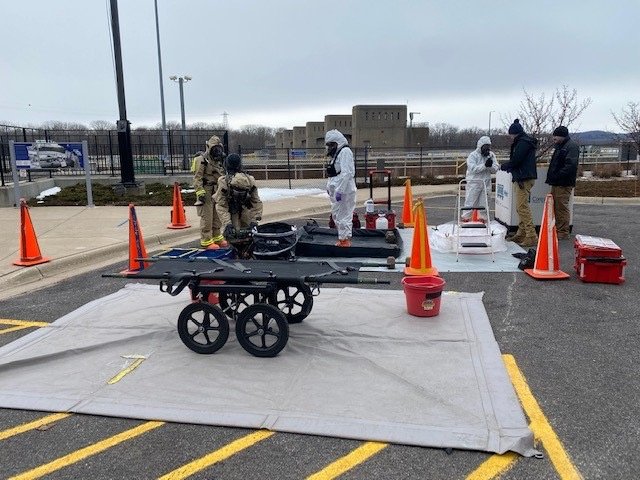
{"x":358,"y":367}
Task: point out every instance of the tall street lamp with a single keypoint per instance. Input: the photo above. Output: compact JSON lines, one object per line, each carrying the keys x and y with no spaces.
{"x":165,"y":142}
{"x":181,"y":79}
{"x":489,"y":131}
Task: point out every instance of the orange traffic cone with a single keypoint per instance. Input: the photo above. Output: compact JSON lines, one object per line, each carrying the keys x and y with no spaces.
{"x":547,"y":263}
{"x":475,"y":217}
{"x":178,"y":217}
{"x":29,"y":249}
{"x":136,"y":244}
{"x":420,"y":261}
{"x":407,"y":206}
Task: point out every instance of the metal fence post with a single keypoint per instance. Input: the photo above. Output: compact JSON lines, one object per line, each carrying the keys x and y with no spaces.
{"x":111,"y":155}
{"x":289,"y":167}
{"x":420,"y":161}
{"x":24,"y":134}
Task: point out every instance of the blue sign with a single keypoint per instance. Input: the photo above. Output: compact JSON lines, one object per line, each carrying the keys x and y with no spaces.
{"x":298,"y":153}
{"x":48,"y":154}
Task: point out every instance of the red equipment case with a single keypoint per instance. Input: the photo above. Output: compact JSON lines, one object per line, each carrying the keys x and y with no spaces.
{"x":598,"y":260}
{"x":370,"y":218}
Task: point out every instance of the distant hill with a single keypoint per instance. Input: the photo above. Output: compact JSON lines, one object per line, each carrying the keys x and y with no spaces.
{"x":597,"y":137}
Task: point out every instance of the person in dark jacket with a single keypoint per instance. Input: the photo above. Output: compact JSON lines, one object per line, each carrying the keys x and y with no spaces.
{"x":522,"y":166}
{"x":561,"y":175}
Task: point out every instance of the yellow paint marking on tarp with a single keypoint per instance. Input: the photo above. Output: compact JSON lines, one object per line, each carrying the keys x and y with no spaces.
{"x":86,"y":452}
{"x":217,"y":456}
{"x":349,"y":461}
{"x":25,"y":427}
{"x":539,"y":424}
{"x":137,"y":360}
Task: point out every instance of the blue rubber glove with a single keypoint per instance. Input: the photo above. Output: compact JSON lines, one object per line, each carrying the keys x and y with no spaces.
{"x":338,"y":197}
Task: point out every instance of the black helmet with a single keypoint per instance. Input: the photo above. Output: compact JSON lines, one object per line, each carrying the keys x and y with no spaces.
{"x":233,"y":163}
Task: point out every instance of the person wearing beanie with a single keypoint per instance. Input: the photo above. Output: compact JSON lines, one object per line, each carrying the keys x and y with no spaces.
{"x":238,"y":204}
{"x":522,"y":167}
{"x":562,"y":173}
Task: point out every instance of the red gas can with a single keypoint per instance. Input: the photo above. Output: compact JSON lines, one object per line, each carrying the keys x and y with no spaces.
{"x":598,"y":260}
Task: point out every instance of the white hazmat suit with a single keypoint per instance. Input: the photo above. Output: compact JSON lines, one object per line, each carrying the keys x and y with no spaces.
{"x":477,"y":175}
{"x":342,"y":187}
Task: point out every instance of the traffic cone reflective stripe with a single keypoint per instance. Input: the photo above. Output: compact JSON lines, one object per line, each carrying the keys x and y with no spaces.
{"x":137,"y":249}
{"x":420,"y":260}
{"x":29,"y":248}
{"x":407,"y":206}
{"x":547,"y":262}
{"x":178,"y":217}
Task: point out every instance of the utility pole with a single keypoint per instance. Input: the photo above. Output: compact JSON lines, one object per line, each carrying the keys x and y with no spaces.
{"x":165,"y":140}
{"x":489,"y":131}
{"x":124,"y":129}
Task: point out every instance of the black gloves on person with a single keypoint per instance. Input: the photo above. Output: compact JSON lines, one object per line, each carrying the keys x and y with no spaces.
{"x":489,"y":162}
{"x":253,"y":225}
{"x":229,"y":231}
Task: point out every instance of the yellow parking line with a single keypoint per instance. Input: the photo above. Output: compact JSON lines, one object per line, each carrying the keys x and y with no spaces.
{"x":539,"y":424}
{"x":349,"y":461}
{"x":25,"y":427}
{"x":19,"y":325}
{"x":217,"y":456}
{"x":492,"y":467}
{"x":24,"y":323}
{"x":86,"y":452}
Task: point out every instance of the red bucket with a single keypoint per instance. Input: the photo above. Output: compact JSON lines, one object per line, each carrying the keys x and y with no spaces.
{"x":423,"y":295}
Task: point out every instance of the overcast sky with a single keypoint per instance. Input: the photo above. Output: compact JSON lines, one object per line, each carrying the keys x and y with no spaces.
{"x":282,"y":63}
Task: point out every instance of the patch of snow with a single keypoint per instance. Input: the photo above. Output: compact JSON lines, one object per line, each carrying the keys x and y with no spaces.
{"x":47,"y":193}
{"x":273,"y":194}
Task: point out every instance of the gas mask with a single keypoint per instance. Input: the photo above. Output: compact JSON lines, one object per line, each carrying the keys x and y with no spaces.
{"x":485,"y":150}
{"x":216,"y":151}
{"x":331,"y":149}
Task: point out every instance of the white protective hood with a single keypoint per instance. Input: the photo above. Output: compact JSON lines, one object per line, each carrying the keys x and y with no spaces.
{"x":335,"y":136}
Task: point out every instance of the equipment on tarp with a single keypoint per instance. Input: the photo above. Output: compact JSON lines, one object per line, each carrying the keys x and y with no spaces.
{"x":263,"y":297}
{"x":423,"y":295}
{"x":547,"y":263}
{"x":475,"y":233}
{"x":598,"y":260}
{"x":275,"y":240}
{"x":372,"y":217}
{"x":316,"y":241}
{"x":369,"y":206}
{"x":381,"y":222}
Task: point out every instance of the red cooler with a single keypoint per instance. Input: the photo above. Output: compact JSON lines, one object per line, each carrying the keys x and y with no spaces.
{"x":598,"y":260}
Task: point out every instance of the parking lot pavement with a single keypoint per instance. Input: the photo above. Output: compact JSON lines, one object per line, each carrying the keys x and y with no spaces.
{"x":574,"y":343}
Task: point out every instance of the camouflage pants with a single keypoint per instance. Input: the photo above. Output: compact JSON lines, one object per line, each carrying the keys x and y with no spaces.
{"x":209,"y":220}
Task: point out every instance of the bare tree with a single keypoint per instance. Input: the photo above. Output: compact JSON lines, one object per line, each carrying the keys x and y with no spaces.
{"x":540,"y":115}
{"x":628,"y":119}
{"x":102,"y":125}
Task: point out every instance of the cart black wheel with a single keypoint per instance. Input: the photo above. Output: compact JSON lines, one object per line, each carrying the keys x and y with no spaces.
{"x":203,"y":327}
{"x":262,"y":330}
{"x":234,"y":303}
{"x":295,"y":301}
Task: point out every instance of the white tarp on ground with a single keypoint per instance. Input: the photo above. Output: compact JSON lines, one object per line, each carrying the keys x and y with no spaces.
{"x":371,"y":373}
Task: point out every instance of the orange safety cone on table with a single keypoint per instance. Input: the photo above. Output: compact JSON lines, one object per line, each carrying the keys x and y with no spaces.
{"x":29,"y":248}
{"x":137,"y":250}
{"x":178,"y":217}
{"x":407,"y":206}
{"x":420,"y":260}
{"x":547,"y":263}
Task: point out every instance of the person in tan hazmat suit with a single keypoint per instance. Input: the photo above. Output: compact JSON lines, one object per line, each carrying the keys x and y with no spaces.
{"x":208,"y":167}
{"x":237,"y":201}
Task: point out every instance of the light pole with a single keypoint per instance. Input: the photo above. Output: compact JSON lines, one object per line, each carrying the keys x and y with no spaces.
{"x":165,"y":142}
{"x":181,"y":79}
{"x":489,"y":131}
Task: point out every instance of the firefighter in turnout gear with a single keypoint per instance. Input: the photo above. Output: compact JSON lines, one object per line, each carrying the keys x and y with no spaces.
{"x":208,"y":168}
{"x":237,"y":201}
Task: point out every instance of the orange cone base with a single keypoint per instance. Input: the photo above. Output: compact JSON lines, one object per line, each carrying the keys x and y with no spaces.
{"x":29,"y":263}
{"x":177,"y":227}
{"x":546,"y":275}
{"x":420,"y":271}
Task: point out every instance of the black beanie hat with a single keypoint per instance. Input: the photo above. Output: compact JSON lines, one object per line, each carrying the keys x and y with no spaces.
{"x":232,"y":163}
{"x":561,"y":132}
{"x":516,"y":128}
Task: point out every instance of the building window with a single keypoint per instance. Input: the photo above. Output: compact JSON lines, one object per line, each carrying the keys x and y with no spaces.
{"x":398,"y":115}
{"x":366,"y":116}
{"x":378,"y":115}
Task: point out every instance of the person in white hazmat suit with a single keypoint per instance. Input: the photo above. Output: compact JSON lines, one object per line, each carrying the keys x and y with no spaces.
{"x":341,"y":185}
{"x":481,"y":163}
